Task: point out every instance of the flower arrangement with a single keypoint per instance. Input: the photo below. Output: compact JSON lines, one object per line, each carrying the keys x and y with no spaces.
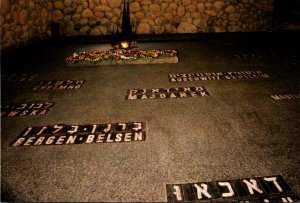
{"x":118,"y":55}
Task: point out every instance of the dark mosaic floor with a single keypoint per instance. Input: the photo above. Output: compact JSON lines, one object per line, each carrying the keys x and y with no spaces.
{"x":238,"y":131}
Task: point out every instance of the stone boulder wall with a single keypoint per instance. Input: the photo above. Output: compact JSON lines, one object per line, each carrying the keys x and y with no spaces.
{"x":101,"y":17}
{"x":24,"y":20}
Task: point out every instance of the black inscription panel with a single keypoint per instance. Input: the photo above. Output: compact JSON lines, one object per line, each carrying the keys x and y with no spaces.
{"x":285,"y":96}
{"x":31,"y":109}
{"x":59,"y":85}
{"x":23,"y":77}
{"x":163,"y":93}
{"x":217,"y":76}
{"x":61,"y":134}
{"x":257,"y":189}
{"x":252,"y":56}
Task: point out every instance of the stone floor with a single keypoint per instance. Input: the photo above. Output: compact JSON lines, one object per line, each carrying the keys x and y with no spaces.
{"x":238,"y":131}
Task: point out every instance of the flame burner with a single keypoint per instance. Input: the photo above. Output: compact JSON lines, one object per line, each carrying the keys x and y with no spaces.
{"x":123,"y":40}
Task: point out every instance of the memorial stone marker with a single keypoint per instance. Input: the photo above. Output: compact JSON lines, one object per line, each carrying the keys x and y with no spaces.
{"x":217,"y":76}
{"x":60,"y":134}
{"x":257,"y":189}
{"x":59,"y":85}
{"x":163,"y":93}
{"x":31,"y":109}
{"x":285,"y":96}
{"x":23,"y":77}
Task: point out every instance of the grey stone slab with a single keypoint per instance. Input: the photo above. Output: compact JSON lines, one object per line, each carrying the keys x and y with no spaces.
{"x":237,"y":132}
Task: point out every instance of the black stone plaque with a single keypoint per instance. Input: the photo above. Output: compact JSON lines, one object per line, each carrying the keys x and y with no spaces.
{"x":217,"y":76}
{"x":285,"y":96}
{"x":252,"y":56}
{"x":61,"y":134}
{"x":260,"y":189}
{"x":23,"y":77}
{"x":59,"y":85}
{"x":26,"y":109}
{"x":164,"y":93}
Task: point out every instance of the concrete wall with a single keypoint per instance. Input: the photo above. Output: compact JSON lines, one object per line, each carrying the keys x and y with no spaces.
{"x":24,"y":20}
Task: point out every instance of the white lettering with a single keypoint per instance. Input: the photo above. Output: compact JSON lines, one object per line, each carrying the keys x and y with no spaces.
{"x":144,"y":96}
{"x":58,"y":128}
{"x":127,"y":137}
{"x":109,"y":138}
{"x":90,"y":138}
{"x":49,"y":87}
{"x":138,"y":136}
{"x":43,"y":112}
{"x":172,"y":95}
{"x":193,"y":94}
{"x":177,"y":193}
{"x":162,"y":96}
{"x":155,"y":90}
{"x":22,"y":106}
{"x":39,"y":141}
{"x":138,"y":126}
{"x":198,"y":89}
{"x":202,"y":190}
{"x":182,"y":95}
{"x":71,"y":87}
{"x":71,"y":139}
{"x":59,"y":82}
{"x":252,"y":185}
{"x":118,"y":137}
{"x":123,"y":125}
{"x":204,"y":94}
{"x":100,"y":138}
{"x":28,"y":130}
{"x":60,"y":140}
{"x":24,"y":113}
{"x":29,"y":141}
{"x":131,"y":97}
{"x":73,"y":130}
{"x":42,"y":130}
{"x":50,"y":140}
{"x":152,"y":96}
{"x":48,"y":104}
{"x":273,"y":179}
{"x":275,"y":97}
{"x":19,"y":141}
{"x":13,"y":113}
{"x":286,"y":199}
{"x":94,"y":129}
{"x":34,"y":112}
{"x":230,"y":192}
{"x":108,"y":128}
{"x":62,"y":87}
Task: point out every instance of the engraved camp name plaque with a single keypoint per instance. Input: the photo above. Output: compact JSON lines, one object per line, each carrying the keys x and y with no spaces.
{"x":29,"y":109}
{"x":164,"y":93}
{"x":217,"y":76}
{"x":257,"y":189}
{"x":59,"y":85}
{"x":285,"y":96}
{"x":61,"y":134}
{"x":23,"y":77}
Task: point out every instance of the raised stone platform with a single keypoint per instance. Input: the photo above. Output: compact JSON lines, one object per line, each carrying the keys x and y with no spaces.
{"x":159,"y":60}
{"x":122,"y":57}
